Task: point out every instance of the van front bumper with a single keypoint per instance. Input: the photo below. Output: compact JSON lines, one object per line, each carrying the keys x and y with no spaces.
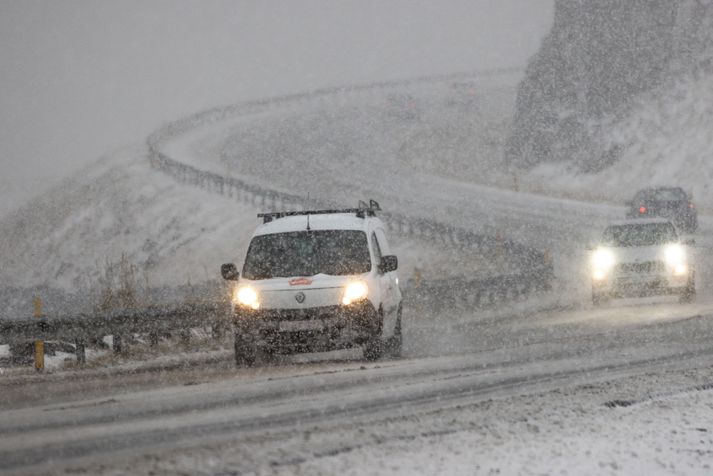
{"x":313,"y":329}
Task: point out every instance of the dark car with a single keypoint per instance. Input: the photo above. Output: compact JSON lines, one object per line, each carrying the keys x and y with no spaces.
{"x":672,"y":203}
{"x":402,"y":106}
{"x":463,"y":95}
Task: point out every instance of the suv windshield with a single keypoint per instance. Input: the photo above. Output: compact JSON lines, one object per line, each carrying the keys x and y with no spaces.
{"x":645,"y":234}
{"x":306,"y":253}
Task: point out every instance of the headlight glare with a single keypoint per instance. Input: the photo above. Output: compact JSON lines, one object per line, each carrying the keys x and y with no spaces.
{"x":675,"y":255}
{"x":603,"y":259}
{"x":680,"y":269}
{"x":354,"y":292}
{"x":246,"y":296}
{"x":599,"y":275}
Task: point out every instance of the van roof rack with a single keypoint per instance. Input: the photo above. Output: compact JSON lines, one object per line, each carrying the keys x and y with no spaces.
{"x":362,"y":211}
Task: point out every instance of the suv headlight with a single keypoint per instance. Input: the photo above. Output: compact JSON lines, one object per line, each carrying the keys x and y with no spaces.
{"x":680,"y":269}
{"x":246,"y":296}
{"x":603,"y":261}
{"x":675,"y":255}
{"x":355,"y":291}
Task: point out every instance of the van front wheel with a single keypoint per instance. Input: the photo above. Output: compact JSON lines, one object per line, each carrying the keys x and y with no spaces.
{"x":245,"y":351}
{"x":396,"y":341}
{"x":373,"y":348}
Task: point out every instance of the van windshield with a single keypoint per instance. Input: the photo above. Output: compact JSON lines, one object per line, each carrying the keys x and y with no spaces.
{"x":306,"y":253}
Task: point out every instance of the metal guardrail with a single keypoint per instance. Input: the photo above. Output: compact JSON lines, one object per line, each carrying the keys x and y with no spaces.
{"x":82,"y":329}
{"x":418,"y":228}
{"x":482,"y":293}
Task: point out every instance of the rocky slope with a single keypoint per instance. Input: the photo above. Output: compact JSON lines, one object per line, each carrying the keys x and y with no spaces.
{"x":602,"y":63}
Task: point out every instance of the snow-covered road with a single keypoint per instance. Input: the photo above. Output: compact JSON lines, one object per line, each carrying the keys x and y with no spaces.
{"x":199,"y":411}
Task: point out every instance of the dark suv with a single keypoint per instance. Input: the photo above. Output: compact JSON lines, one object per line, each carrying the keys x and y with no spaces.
{"x":672,"y":203}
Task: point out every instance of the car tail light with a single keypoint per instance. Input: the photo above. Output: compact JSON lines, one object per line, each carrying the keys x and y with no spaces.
{"x":642,"y":210}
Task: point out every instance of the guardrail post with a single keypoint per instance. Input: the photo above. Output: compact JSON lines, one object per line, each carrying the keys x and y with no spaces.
{"x":39,"y":355}
{"x":80,"y":352}
{"x":217,"y":329}
{"x":39,"y":344}
{"x":116,"y":343}
{"x":153,"y":338}
{"x":479,"y":298}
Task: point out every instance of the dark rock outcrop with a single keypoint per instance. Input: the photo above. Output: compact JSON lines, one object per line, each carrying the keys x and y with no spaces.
{"x":600,"y":56}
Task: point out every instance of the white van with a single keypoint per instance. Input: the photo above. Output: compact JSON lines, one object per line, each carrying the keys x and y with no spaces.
{"x":316,"y":281}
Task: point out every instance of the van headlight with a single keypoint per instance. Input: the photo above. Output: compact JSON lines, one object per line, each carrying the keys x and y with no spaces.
{"x":355,"y":291}
{"x":246,"y":296}
{"x":675,"y":256}
{"x":603,"y":261}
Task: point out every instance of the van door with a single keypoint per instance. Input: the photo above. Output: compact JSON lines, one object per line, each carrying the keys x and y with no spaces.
{"x":390,"y":295}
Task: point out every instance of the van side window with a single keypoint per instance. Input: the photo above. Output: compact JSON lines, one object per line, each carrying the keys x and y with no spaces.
{"x":376,"y":249}
{"x":383,"y":243}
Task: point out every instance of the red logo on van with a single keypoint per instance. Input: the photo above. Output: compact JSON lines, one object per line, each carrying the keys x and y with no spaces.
{"x":300,"y":282}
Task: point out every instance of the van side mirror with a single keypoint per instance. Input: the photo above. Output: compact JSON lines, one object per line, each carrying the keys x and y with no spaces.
{"x":388,"y":263}
{"x":229,"y":272}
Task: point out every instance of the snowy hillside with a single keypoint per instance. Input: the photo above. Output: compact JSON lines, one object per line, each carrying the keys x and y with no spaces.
{"x":666,"y":140}
{"x":175,"y":234}
{"x":619,"y":97}
{"x":597,"y":58}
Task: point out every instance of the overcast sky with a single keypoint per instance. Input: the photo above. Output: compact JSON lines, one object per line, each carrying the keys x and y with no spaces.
{"x":80,"y":78}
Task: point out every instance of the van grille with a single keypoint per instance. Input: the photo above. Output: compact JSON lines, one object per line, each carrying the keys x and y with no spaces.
{"x":301,"y":314}
{"x":357,"y":310}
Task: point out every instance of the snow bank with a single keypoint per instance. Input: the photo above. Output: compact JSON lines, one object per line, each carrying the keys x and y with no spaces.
{"x":570,"y":432}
